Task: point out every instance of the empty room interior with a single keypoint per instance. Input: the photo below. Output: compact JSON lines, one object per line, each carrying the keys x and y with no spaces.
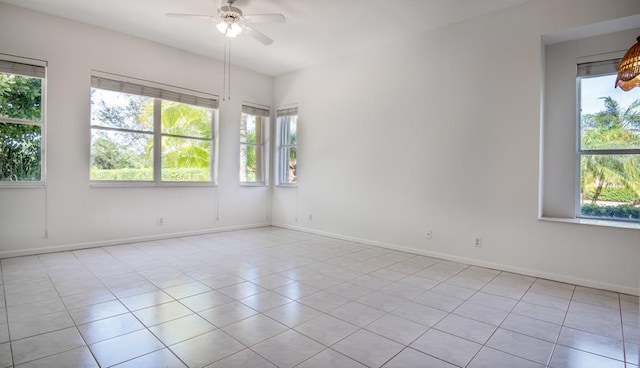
{"x":468,"y":193}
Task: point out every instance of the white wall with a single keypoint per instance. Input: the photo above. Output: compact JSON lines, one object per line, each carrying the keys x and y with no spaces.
{"x":79,"y":214}
{"x":440,"y":131}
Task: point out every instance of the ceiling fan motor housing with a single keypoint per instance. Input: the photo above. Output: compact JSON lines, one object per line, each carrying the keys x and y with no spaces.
{"x":230,"y":14}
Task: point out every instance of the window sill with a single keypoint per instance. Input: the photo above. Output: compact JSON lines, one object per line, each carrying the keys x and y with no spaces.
{"x":247,"y":184}
{"x":23,"y":185}
{"x":286,"y":185}
{"x":594,"y":222}
{"x":112,"y":184}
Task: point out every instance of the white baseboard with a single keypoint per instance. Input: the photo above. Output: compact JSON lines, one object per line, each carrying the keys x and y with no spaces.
{"x":104,"y":243}
{"x":466,"y":260}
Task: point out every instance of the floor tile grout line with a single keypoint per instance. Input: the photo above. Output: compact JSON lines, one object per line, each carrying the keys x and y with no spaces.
{"x":566,"y":313}
{"x":501,"y":323}
{"x":559,"y":331}
{"x":6,"y":313}
{"x":624,"y":342}
{"x":448,"y":313}
{"x":335,"y":351}
{"x":561,"y":326}
{"x":116,"y":298}
{"x":148,"y":328}
{"x":75,"y":325}
{"x":624,"y":359}
{"x":487,"y":340}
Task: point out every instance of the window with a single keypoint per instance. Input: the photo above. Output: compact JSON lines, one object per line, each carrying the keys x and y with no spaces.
{"x":151,"y":133}
{"x":253,"y":125}
{"x":609,"y":145}
{"x":22,"y":89}
{"x":286,"y":154}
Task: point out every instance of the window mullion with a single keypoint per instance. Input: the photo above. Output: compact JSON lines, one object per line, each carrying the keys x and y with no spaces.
{"x":627,"y":151}
{"x":157,"y":140}
{"x":185,"y":137}
{"x":21,"y":121}
{"x":123,"y":130}
{"x":282,"y":151}
{"x":213,"y":150}
{"x":251,"y":144}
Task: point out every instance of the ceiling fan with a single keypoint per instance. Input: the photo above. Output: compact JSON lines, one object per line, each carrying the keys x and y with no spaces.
{"x":232,"y":22}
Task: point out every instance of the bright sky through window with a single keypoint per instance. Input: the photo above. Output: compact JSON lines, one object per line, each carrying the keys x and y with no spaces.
{"x":593,"y":89}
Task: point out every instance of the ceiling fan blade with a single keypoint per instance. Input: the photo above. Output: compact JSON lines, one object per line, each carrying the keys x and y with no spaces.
{"x":264,"y":18}
{"x":201,"y":16}
{"x":257,"y":35}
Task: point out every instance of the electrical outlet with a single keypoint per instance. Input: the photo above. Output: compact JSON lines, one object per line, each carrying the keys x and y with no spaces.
{"x":428,"y":234}
{"x":478,"y":243}
{"x":160,"y":221}
{"x":310,"y":217}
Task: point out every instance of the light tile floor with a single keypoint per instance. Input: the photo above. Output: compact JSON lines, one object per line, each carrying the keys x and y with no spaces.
{"x":273,"y":297}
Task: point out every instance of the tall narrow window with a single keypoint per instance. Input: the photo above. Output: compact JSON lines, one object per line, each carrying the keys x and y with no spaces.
{"x":253,"y":125}
{"x":22,"y":88}
{"x":609,"y":145}
{"x":286,"y":154}
{"x":152,"y":133}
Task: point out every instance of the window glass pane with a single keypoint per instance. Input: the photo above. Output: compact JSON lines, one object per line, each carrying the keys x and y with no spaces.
{"x":121,"y":110}
{"x":609,"y":117}
{"x":287,"y":140}
{"x":121,"y":155}
{"x":20,"y":152}
{"x":250,"y":163}
{"x":610,"y":186}
{"x":186,"y":120}
{"x":20,"y":97}
{"x":186,"y":159}
{"x":251,"y":129}
{"x":292,"y":133}
{"x":289,"y":165}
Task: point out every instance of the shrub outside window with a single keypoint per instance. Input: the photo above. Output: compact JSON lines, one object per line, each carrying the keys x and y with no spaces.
{"x":253,"y":125}
{"x":608,"y":145}
{"x":287,"y":155}
{"x":22,"y":122}
{"x":151,"y":133}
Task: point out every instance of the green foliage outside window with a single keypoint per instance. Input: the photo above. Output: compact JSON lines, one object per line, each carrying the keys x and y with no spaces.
{"x":20,"y":144}
{"x":611,"y":177}
{"x":125,"y":150}
{"x":251,"y":148}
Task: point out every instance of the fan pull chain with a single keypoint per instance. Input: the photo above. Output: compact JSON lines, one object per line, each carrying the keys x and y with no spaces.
{"x":229,"y":70}
{"x":224,"y":73}
{"x":226,"y":79}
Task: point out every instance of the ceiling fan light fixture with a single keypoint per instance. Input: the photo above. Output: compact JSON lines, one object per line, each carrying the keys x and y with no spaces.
{"x":222,"y":27}
{"x":629,"y":70}
{"x":230,"y":30}
{"x":233,"y":30}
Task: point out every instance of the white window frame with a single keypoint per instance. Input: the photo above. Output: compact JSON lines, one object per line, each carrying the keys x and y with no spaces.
{"x":33,"y":68}
{"x":261,"y":165}
{"x":591,"y":69}
{"x":159,"y":92}
{"x":282,"y":124}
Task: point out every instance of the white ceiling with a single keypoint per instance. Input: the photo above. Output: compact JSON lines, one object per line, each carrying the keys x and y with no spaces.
{"x":315,"y":31}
